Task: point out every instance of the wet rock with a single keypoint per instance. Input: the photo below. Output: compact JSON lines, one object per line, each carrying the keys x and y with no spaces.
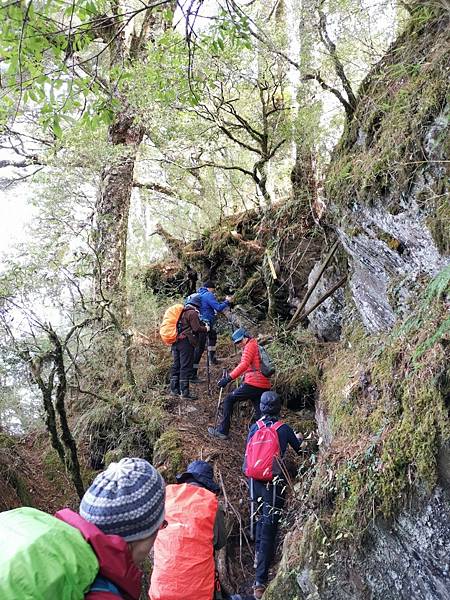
{"x":406,"y":559}
{"x":387,"y":258}
{"x":326,"y":320}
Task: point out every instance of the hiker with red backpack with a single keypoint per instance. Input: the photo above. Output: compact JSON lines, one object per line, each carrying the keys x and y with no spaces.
{"x":184,"y":566}
{"x":95,"y":554}
{"x":189,"y":327}
{"x":255,"y":383}
{"x":267,"y":443}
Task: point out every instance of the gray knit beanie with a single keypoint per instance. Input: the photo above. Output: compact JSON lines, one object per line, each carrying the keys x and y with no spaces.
{"x":127,"y":500}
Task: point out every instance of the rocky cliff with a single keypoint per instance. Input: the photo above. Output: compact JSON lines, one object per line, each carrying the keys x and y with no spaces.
{"x":374,"y":521}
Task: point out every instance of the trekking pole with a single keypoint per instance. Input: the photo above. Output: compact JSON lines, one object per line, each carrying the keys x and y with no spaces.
{"x":208,"y":373}
{"x":230,"y":321}
{"x":252,"y":511}
{"x":224,"y":374}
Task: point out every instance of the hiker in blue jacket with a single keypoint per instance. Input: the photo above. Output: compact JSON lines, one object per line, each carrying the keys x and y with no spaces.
{"x":267,"y":497}
{"x":210,"y":306}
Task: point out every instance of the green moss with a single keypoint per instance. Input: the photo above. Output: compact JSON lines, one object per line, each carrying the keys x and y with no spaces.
{"x":52,"y":465}
{"x":129,"y":428}
{"x":397,"y":102}
{"x":283,"y":586}
{"x":439,"y":223}
{"x":7,"y":441}
{"x":20,"y":488}
{"x":297,"y":366}
{"x":167,"y":454}
{"x":114,"y":455}
{"x":388,"y":414}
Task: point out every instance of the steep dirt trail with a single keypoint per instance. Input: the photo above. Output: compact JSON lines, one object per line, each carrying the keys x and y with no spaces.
{"x":191,"y":420}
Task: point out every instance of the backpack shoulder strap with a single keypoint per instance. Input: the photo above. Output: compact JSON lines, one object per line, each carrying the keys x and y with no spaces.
{"x":260,"y":424}
{"x":277,"y":425}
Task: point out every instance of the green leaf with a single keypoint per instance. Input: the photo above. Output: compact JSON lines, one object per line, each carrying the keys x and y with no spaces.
{"x":56,"y":127}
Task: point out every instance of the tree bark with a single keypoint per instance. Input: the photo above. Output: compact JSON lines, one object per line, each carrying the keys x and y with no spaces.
{"x":114,"y":196}
{"x":71,"y":454}
{"x":112,"y":209}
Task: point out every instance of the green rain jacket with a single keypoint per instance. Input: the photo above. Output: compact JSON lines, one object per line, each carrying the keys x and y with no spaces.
{"x":43,"y":558}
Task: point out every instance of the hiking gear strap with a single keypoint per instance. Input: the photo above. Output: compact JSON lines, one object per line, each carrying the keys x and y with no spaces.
{"x":252,"y":510}
{"x":208,"y":371}
{"x":260,"y":424}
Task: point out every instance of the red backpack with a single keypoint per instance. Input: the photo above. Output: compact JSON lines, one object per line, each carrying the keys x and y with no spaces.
{"x":262,"y":451}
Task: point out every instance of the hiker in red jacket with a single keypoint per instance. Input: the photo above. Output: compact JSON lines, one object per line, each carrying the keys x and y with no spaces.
{"x":120,"y":516}
{"x":255,"y":383}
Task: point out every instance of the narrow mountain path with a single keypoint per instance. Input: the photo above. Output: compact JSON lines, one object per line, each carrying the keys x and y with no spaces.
{"x":191,"y":419}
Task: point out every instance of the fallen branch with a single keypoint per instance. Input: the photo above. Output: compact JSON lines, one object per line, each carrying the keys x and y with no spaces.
{"x":324,"y":297}
{"x":302,"y":305}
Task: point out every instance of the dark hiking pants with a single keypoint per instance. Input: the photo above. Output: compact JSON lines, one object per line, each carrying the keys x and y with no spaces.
{"x":211,"y":338}
{"x":268,"y":502}
{"x":243,"y":392}
{"x":183,"y":357}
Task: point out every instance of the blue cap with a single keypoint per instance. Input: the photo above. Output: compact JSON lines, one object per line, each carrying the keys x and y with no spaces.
{"x":270,"y":403}
{"x":202,"y":472}
{"x":239,"y":335}
{"x":194,"y":300}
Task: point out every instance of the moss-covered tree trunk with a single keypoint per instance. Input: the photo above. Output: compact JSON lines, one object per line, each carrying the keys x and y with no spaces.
{"x":113,"y":206}
{"x":114,"y":196}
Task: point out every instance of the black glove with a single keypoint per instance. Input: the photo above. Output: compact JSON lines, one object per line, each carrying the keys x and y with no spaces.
{"x":224,"y":381}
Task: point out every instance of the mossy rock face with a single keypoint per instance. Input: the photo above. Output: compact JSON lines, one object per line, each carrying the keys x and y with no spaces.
{"x":284,"y":587}
{"x":388,"y":181}
{"x":385,"y":402}
{"x":381,"y":149}
{"x":113,"y":455}
{"x":167,"y":455}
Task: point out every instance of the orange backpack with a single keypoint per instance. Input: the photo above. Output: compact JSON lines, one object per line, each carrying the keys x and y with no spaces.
{"x":168,"y":330}
{"x":183,"y":566}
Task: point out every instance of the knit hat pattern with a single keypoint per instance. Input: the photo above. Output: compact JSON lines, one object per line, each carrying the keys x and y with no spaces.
{"x":127,"y":500}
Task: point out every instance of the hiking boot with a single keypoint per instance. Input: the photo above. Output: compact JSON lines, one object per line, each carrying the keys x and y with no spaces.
{"x":213,"y":358}
{"x":195,"y":380}
{"x":174,"y":386}
{"x":258,"y":590}
{"x":216,"y":433}
{"x":184,"y":391}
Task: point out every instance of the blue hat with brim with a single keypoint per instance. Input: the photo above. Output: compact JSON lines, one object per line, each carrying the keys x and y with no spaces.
{"x":239,"y":335}
{"x":202,"y":472}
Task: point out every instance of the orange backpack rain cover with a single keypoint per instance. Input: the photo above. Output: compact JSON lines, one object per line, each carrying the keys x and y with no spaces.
{"x":184,"y":555}
{"x":168,"y":329}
